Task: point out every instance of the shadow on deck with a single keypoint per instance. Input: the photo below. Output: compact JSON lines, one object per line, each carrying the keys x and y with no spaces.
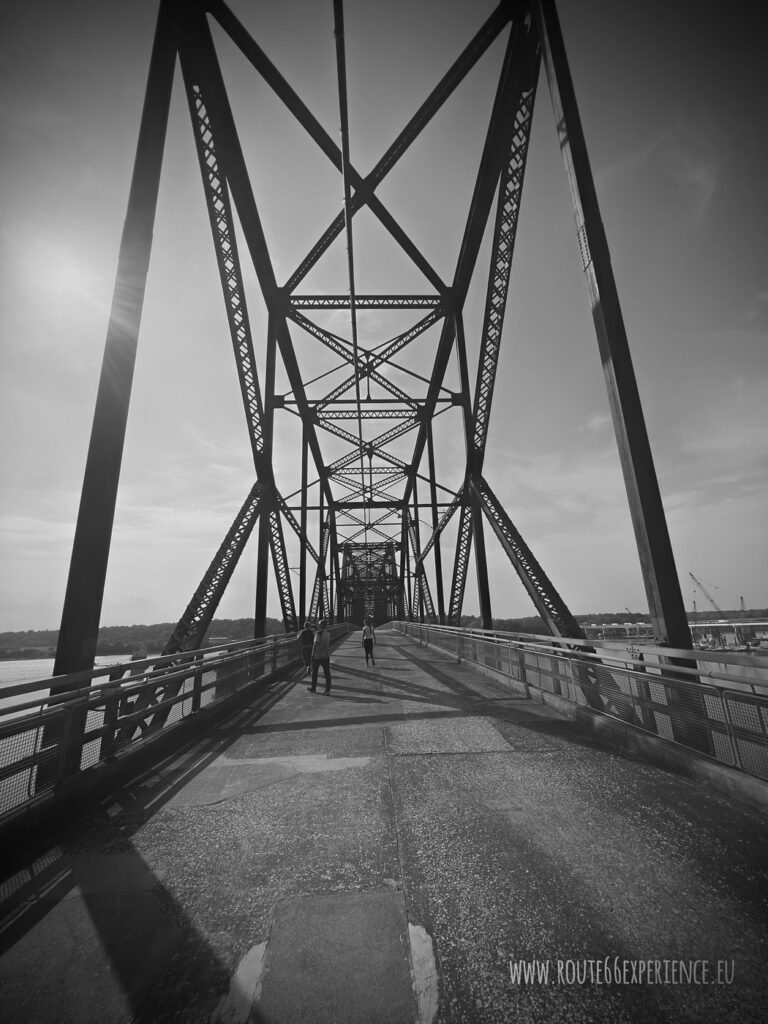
{"x":391,"y":852}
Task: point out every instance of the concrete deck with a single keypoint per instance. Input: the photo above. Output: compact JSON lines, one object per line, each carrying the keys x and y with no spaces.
{"x":382,"y":855}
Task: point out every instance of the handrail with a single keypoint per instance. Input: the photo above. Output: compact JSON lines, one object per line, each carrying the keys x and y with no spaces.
{"x":755,"y":663}
{"x":107,"y":714}
{"x":720,"y":715}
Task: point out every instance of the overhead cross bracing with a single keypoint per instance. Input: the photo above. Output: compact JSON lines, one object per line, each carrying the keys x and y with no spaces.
{"x":368,"y":407}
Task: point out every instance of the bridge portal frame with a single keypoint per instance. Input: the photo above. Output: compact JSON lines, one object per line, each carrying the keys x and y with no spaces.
{"x":535,"y":35}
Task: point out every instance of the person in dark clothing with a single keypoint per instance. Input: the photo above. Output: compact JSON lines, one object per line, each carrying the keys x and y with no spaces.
{"x":321,"y":655}
{"x":369,"y":639}
{"x":306,"y":639}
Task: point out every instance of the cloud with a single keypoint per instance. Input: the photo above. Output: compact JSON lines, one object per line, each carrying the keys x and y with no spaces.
{"x":595,"y":423}
{"x":759,"y":307}
{"x":562,"y":494}
{"x":681,"y":156}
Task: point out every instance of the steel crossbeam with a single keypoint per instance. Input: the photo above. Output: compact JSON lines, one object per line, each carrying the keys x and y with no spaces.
{"x":365,"y":301}
{"x":366,"y":414}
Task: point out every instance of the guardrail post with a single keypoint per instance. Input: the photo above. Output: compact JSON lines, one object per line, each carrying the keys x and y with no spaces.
{"x":111,"y":713}
{"x":70,"y":741}
{"x":197,"y":685}
{"x":731,"y":734}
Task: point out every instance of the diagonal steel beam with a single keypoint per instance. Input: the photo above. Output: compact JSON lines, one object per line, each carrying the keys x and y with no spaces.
{"x":198,"y":44}
{"x":461,"y":563}
{"x":191,"y":627}
{"x":491,"y":162}
{"x":228,"y":261}
{"x":503,"y":245}
{"x":662,"y":585}
{"x":76,"y":646}
{"x":294,"y":525}
{"x":363,"y":191}
{"x":541,"y":590}
{"x":444,"y":520}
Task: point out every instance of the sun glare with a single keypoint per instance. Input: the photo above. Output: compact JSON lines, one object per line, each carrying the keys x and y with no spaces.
{"x":58,"y":270}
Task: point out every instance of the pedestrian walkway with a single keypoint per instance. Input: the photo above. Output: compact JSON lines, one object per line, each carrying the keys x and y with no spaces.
{"x":421,"y":845}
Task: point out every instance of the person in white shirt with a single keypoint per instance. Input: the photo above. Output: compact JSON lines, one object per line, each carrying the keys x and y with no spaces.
{"x":369,"y":639}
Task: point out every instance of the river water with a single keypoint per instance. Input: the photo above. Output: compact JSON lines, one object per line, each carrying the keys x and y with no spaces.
{"x":29,"y":670}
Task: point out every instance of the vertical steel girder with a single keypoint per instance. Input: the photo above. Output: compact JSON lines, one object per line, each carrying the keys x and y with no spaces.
{"x":282,"y":572}
{"x":319,"y":587}
{"x":435,"y":538}
{"x":461,"y":562}
{"x":422,"y":584}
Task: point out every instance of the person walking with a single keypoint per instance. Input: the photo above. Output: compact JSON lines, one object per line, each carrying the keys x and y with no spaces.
{"x":321,"y":655}
{"x":369,"y":639}
{"x":306,"y":640}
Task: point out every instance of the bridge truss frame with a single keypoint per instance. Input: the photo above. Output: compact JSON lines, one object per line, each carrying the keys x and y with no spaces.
{"x":380,"y":498}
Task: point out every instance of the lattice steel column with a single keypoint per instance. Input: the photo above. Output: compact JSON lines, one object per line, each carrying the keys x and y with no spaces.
{"x":461,"y":562}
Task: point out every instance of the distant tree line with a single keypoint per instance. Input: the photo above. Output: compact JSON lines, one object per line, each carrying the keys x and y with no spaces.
{"x":41,"y":643}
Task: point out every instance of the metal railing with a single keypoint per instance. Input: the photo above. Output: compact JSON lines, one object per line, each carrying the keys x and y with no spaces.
{"x":117,"y":709}
{"x":707,"y":701}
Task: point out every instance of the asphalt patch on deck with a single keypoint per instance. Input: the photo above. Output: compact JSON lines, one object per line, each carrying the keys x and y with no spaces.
{"x":339,"y":959}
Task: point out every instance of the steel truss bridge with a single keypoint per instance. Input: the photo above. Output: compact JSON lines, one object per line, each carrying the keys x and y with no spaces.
{"x":380,"y":549}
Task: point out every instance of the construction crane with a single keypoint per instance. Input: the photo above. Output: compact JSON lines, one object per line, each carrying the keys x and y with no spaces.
{"x":706,"y":594}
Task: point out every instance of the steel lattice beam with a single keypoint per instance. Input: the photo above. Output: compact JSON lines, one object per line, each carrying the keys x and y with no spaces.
{"x":545,"y":597}
{"x":228,"y":260}
{"x":192,"y":625}
{"x":461,"y":563}
{"x":444,"y":520}
{"x":421,"y":577}
{"x":319,"y":585}
{"x":503,"y":246}
{"x":365,"y":301}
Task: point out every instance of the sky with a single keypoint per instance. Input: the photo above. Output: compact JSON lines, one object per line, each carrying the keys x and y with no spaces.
{"x":671,"y":99}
